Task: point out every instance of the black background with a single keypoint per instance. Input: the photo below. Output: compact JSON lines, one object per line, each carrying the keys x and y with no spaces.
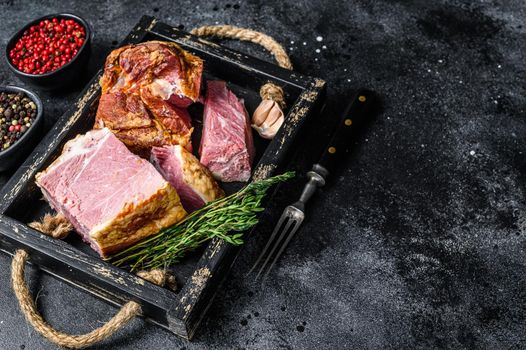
{"x":417,"y":241}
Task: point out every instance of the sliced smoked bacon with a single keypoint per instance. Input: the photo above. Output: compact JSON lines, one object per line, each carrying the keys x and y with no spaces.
{"x":156,"y":81}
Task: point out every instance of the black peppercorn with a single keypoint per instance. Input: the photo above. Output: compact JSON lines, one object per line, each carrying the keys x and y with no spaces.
{"x":17,"y":114}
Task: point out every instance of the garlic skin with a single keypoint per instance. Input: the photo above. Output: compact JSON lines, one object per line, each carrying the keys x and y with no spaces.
{"x":267,"y":119}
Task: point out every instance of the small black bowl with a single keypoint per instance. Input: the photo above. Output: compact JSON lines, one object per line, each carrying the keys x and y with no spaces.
{"x":20,"y":149}
{"x":64,"y":75}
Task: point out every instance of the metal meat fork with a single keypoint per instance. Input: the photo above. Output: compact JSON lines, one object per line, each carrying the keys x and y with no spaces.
{"x":294,"y":214}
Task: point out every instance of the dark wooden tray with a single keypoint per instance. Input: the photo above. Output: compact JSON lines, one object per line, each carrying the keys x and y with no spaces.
{"x":200,"y":273}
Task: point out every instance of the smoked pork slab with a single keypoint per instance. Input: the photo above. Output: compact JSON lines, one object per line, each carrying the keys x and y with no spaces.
{"x":193,"y":182}
{"x":112,"y":197}
{"x":227,"y":147}
{"x":146,"y":88}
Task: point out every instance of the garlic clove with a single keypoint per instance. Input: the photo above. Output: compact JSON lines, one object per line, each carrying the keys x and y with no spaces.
{"x":272,"y":130}
{"x":267,"y":121}
{"x":261,"y":131}
{"x":261,"y":113}
{"x":274,"y":114}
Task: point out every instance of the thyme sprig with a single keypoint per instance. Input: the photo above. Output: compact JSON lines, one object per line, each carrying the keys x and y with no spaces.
{"x":226,"y":218}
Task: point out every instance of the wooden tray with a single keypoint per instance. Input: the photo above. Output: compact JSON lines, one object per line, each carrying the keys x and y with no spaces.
{"x":199,"y":274}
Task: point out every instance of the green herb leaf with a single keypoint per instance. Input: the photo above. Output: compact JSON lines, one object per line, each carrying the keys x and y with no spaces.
{"x":226,"y":218}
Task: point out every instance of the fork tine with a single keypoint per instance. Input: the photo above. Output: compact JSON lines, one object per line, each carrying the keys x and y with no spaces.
{"x":276,"y":245}
{"x":283,"y":246}
{"x":270,"y":240}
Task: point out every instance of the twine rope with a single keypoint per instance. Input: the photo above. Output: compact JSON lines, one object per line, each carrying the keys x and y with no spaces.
{"x":159,"y":277}
{"x":268,"y":91}
{"x":127,"y":312}
{"x":56,"y":226}
{"x":28,"y":307}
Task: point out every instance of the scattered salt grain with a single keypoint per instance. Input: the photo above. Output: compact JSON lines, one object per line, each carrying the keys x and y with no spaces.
{"x":440,"y":61}
{"x":472,"y":153}
{"x":319,"y":38}
{"x":292,"y":41}
{"x":324,"y":47}
{"x":304,"y":43}
{"x":318,"y":51}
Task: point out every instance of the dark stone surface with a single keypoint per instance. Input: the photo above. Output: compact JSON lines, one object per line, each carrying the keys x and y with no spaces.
{"x":418,"y":242}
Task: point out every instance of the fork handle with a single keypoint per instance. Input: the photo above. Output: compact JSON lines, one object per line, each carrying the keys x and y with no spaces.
{"x":316,"y":179}
{"x":341,"y":138}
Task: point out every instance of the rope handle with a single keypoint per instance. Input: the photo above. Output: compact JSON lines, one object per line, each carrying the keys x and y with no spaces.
{"x":244,"y":34}
{"x":126,"y":313}
{"x":28,"y":307}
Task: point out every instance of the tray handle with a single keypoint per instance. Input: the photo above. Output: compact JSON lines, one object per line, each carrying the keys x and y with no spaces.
{"x":127,"y":312}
